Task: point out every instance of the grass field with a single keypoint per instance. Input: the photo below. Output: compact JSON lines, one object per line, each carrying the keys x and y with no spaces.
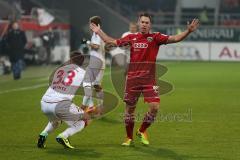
{"x":208,"y":93}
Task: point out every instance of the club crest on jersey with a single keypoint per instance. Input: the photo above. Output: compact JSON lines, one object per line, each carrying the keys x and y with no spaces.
{"x":149,"y":39}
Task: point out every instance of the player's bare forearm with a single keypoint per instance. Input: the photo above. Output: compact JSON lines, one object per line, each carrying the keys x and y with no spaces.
{"x":106,"y":38}
{"x":178,"y":37}
{"x":94,"y":46}
{"x":190,"y":28}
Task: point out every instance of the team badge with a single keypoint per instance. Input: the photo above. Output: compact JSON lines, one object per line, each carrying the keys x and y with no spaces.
{"x":149,"y":39}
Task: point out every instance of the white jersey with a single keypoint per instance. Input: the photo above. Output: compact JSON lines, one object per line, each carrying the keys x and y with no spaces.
{"x":122,"y":50}
{"x":65,"y":83}
{"x":97,"y":54}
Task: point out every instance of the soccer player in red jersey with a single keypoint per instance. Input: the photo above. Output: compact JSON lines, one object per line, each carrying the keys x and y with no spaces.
{"x":141,"y":72}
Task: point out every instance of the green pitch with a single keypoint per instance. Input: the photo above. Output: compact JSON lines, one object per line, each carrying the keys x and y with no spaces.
{"x":199,"y":119}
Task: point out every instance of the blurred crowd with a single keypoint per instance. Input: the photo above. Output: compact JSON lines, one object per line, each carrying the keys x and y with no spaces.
{"x":16,"y":50}
{"x":24,"y":40}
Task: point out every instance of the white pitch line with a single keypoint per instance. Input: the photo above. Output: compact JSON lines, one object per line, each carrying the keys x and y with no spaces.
{"x":24,"y":88}
{"x":35,"y":86}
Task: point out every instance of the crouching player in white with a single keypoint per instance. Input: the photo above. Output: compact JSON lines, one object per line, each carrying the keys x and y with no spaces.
{"x":57,"y":103}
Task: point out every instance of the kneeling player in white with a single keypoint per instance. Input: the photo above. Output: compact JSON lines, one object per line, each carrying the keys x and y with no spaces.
{"x":57,"y":104}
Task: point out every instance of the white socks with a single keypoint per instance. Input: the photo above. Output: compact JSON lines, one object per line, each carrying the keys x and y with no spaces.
{"x":100,"y":96}
{"x":51,"y":126}
{"x":73,"y":128}
{"x":87,"y":101}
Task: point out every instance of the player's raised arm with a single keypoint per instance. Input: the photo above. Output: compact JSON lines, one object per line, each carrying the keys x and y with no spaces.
{"x":96,"y":28}
{"x":190,"y":28}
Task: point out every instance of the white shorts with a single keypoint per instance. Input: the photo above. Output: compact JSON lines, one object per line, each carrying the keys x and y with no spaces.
{"x":62,"y":111}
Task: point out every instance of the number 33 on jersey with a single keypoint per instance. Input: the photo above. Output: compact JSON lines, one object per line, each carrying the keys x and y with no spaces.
{"x":67,"y":77}
{"x":65,"y":82}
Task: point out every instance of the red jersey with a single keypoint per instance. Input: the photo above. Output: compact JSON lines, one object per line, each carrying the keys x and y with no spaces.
{"x":143,"y":53}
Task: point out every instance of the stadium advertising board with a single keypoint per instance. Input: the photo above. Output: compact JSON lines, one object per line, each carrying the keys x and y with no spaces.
{"x":225,"y":51}
{"x":217,"y":34}
{"x":184,"y":51}
{"x":200,"y":51}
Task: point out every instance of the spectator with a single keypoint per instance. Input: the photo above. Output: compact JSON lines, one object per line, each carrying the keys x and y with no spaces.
{"x":122,"y":55}
{"x":16,"y":41}
{"x":133,"y":28}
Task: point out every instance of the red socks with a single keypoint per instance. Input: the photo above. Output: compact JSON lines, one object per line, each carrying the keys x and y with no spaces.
{"x":129,"y":124}
{"x":147,"y":121}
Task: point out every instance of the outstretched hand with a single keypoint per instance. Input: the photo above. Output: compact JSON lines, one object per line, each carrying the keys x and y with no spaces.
{"x":95,"y":28}
{"x":193,"y":25}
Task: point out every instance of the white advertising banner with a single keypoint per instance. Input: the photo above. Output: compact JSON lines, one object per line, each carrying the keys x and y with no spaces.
{"x":225,"y":51}
{"x":185,"y":51}
{"x":44,"y":18}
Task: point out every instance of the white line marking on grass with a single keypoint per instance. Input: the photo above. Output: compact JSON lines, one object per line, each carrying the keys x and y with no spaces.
{"x":24,"y":88}
{"x":36,"y":86}
{"x":42,"y":79}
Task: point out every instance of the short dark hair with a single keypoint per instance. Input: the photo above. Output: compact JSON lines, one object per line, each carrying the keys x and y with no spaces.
{"x":77,"y":58}
{"x":96,"y":20}
{"x":145,"y":14}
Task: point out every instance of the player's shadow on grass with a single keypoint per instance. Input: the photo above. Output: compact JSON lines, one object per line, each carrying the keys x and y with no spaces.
{"x":89,"y":153}
{"x":159,"y":152}
{"x":168,"y":154}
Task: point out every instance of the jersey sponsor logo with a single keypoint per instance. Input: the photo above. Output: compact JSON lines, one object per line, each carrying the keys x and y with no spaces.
{"x":140,"y":45}
{"x":149,"y":39}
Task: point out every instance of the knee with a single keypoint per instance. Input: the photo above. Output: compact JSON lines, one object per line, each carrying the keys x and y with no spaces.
{"x":56,"y":124}
{"x":99,"y":92}
{"x":154,"y":107}
{"x":97,"y":88}
{"x":130,"y":109}
{"x":129,"y":114}
{"x":130,"y":101}
{"x":80,"y":125}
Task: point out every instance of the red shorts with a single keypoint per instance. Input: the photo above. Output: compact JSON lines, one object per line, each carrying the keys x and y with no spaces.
{"x":134,"y":88}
